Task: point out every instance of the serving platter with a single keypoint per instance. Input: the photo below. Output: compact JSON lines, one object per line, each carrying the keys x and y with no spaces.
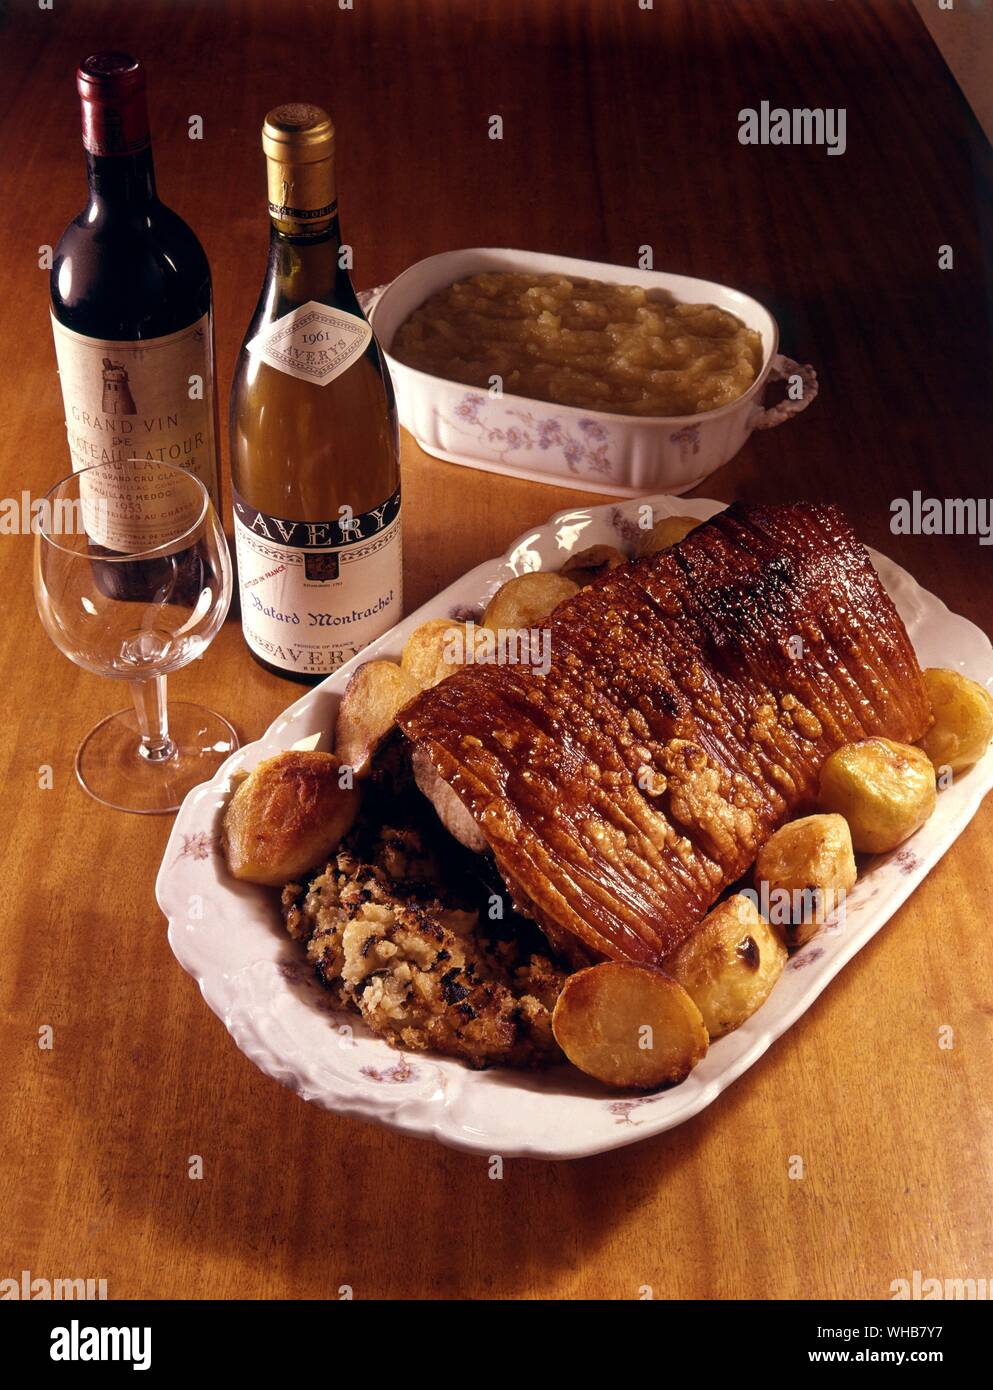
{"x":230,"y":938}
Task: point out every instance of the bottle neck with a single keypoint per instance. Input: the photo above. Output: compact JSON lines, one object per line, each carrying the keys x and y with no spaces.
{"x":306,"y":264}
{"x":121,"y":180}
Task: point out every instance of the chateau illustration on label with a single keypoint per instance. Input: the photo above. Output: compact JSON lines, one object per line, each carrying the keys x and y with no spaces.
{"x":117,"y":397}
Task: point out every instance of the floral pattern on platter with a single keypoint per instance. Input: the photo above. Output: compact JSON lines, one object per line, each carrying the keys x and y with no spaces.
{"x":200,"y":845}
{"x":294,"y":972}
{"x":585,"y":453}
{"x":621,"y":1109}
{"x":398,"y":1074}
{"x":628,"y":531}
{"x":302,"y":976}
{"x":467,"y":613}
{"x":805,"y":958}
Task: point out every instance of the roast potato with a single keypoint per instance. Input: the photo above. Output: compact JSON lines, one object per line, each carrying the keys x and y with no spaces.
{"x":368,"y":711}
{"x":527,"y":600}
{"x":436,"y":649}
{"x":664,"y":533}
{"x":286,"y":817}
{"x":963,"y":720}
{"x":884,"y":790}
{"x":629,"y":1025}
{"x":728,"y":964}
{"x":812,"y":856}
{"x":586,"y":565}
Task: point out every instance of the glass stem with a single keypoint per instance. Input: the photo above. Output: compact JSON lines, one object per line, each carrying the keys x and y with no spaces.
{"x":153,"y":719}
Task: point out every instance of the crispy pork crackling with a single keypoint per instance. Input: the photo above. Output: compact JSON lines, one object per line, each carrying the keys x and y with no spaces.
{"x":691,"y":701}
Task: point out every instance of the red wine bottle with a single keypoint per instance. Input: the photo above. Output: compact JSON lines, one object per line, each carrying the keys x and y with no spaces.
{"x":133,"y":325}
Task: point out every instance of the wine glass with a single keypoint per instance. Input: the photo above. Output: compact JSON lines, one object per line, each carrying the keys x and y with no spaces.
{"x":132,"y":579}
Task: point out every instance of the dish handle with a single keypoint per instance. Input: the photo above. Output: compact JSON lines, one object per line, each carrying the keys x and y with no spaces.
{"x":368,"y":299}
{"x":768,"y":417}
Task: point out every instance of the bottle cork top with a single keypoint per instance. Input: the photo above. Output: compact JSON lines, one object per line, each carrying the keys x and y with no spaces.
{"x":104,"y":75}
{"x":111,"y":87}
{"x":298,"y":141}
{"x":298,"y":133}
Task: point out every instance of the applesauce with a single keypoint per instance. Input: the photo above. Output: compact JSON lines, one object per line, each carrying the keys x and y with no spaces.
{"x":571,"y":341}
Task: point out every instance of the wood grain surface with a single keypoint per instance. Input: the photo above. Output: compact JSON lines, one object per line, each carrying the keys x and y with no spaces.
{"x":620,"y":130}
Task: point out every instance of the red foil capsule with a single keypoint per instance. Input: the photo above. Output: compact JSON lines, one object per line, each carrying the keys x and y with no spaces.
{"x":115,"y":108}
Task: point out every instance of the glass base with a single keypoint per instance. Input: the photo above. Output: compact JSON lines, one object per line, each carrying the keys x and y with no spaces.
{"x":110,"y":764}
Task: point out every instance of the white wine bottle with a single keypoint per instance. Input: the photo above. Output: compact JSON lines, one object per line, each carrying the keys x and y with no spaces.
{"x":315,"y":458}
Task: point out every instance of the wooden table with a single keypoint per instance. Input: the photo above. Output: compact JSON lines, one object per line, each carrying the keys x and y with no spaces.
{"x":620,"y":129}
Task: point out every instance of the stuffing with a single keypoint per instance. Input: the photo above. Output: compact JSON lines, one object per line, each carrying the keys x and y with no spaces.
{"x":404,"y":947}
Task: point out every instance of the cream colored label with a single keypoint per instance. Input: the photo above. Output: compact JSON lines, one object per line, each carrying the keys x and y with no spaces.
{"x":150,"y":401}
{"x":314,"y":593}
{"x":313,"y":342}
{"x":132,"y":508}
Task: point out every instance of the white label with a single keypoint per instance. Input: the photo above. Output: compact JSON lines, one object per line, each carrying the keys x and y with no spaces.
{"x":152,"y":401}
{"x":314,"y":593}
{"x":313,"y":342}
{"x":132,"y":509}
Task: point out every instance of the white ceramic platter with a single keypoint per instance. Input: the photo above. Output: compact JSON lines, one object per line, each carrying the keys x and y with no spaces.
{"x":229,"y":936}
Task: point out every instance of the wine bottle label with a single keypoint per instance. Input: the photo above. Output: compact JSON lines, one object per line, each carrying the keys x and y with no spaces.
{"x":313,"y":342}
{"x":314,"y":593}
{"x":152,"y":401}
